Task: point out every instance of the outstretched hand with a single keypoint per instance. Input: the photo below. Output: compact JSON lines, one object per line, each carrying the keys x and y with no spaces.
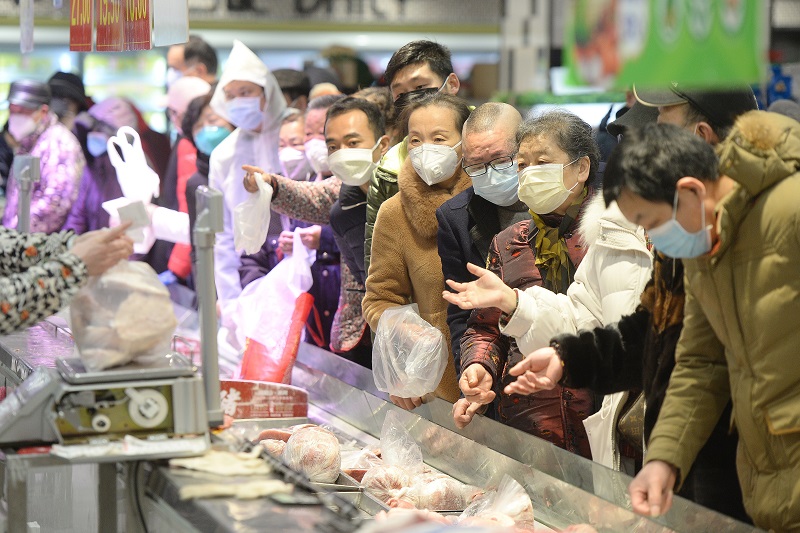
{"x":540,"y":370}
{"x":252,"y":173}
{"x":487,"y":291}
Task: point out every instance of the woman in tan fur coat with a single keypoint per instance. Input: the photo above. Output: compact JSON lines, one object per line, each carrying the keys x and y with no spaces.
{"x":405,"y":265}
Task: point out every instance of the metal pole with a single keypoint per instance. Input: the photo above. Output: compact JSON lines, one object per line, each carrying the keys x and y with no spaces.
{"x":26,"y":173}
{"x":208,"y":224}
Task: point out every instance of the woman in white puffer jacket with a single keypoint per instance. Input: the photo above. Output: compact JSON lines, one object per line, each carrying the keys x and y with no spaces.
{"x":607,"y":285}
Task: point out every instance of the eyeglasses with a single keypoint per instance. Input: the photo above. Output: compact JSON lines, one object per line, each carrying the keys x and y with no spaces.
{"x":501,"y":163}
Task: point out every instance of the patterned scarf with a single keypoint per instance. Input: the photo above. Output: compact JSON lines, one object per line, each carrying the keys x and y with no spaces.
{"x":552,"y":258}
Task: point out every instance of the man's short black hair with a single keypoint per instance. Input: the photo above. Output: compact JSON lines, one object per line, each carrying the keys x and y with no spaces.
{"x":293,"y":83}
{"x":374,"y":116}
{"x":199,"y":51}
{"x":651,"y":159}
{"x":434,"y":54}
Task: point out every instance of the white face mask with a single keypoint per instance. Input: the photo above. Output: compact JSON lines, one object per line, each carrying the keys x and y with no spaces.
{"x":245,"y":112}
{"x":354,"y":166}
{"x":317,"y":155}
{"x":435,"y":163}
{"x":498,"y":186}
{"x":294,"y":164}
{"x":21,"y":126}
{"x":542,"y":188}
{"x":173,"y":75}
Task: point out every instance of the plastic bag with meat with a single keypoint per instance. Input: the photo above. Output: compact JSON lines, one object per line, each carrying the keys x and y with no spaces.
{"x":123,"y":315}
{"x":402,"y":459}
{"x":509,"y":505}
{"x":355,"y":463}
{"x":443,"y":494}
{"x":315,"y":452}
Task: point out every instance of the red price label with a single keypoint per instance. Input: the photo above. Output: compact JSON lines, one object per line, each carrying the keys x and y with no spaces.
{"x":80,"y":25}
{"x":109,"y":25}
{"x":138,"y":25}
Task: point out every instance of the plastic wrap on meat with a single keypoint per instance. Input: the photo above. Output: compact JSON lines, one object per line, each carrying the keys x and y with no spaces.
{"x":315,"y":452}
{"x":509,"y":502}
{"x":385,"y":481}
{"x":274,"y":447}
{"x":444,"y":494}
{"x":281,"y":433}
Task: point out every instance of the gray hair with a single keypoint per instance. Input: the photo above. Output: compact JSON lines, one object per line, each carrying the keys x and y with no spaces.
{"x":570,"y":133}
{"x":487,"y":116}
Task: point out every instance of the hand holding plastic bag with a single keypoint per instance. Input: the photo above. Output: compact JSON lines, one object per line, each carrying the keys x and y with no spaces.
{"x":136,"y":179}
{"x":251,"y":219}
{"x":122,"y":315}
{"x":409,"y":356}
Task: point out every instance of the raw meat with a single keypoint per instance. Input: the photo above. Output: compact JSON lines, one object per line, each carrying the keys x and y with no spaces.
{"x":315,"y":452}
{"x":443,"y":494}
{"x":384,"y":481}
{"x":143,"y":321}
{"x":281,"y":433}
{"x":580,"y":528}
{"x":274,"y":447}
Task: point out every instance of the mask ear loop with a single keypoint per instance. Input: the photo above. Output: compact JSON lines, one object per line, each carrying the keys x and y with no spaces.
{"x":562,"y":175}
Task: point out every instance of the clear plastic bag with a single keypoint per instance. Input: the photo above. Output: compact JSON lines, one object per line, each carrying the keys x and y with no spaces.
{"x":402,"y":461}
{"x":122,"y":315}
{"x":409,"y":355}
{"x":251,"y":219}
{"x":509,"y":505}
{"x":315,"y":452}
{"x":136,"y":179}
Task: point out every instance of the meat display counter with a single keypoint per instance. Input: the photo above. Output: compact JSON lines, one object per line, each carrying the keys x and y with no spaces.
{"x":565,"y":489}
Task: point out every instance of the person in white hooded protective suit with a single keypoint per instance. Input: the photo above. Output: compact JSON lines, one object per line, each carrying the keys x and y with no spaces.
{"x":247,"y":96}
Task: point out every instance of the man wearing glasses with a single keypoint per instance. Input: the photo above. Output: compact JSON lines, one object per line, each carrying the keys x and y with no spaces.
{"x":469,"y":221}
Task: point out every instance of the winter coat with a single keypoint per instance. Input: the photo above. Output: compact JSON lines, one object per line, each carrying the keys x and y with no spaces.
{"x":61,"y":168}
{"x":338,"y":306}
{"x":382,"y":186}
{"x":741,"y":336}
{"x":348,"y":216}
{"x":186,"y":166}
{"x":241,"y":148}
{"x":39,"y":277}
{"x":405,"y":265}
{"x":467,"y":225}
{"x":99,"y":184}
{"x":556,"y":415}
{"x":608,"y":284}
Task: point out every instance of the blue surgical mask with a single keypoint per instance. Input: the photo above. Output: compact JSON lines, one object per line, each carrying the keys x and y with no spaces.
{"x":245,"y":112}
{"x":672,"y":240}
{"x":96,"y":143}
{"x":498,"y":186}
{"x":209,"y":138}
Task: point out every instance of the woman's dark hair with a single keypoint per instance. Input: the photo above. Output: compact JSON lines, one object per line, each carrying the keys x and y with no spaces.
{"x":192,"y":114}
{"x":652,"y":158}
{"x":457,"y":105}
{"x":570,"y":133}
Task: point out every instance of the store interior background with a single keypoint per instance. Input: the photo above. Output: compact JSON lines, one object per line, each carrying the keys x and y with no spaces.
{"x":508,"y":47}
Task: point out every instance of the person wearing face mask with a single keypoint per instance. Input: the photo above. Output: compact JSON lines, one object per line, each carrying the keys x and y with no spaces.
{"x":196,"y":58}
{"x":356,"y":139}
{"x":417,"y":69}
{"x":99,"y":182}
{"x":556,"y":157}
{"x":248,"y":97}
{"x":405,"y":264}
{"x":306,"y":206}
{"x":39,"y":134}
{"x":641,"y":348}
{"x":294,"y":163}
{"x":608,"y":284}
{"x":181,"y":166}
{"x":468,"y":221}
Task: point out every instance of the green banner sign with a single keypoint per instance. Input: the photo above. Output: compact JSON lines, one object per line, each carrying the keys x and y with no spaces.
{"x":706,"y":43}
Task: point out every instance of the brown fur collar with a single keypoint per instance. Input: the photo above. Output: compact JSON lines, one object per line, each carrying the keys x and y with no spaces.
{"x":420,"y":201}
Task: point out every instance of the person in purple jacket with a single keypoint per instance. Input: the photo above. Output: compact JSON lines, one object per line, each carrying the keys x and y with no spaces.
{"x":39,"y":133}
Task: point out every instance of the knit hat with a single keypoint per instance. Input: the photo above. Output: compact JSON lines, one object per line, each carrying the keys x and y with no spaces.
{"x":69,"y":86}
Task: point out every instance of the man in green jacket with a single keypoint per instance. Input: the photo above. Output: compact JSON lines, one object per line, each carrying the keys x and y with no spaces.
{"x":738,"y":236}
{"x":417,"y":69}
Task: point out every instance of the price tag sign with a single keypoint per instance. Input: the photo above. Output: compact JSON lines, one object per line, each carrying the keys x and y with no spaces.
{"x":109,"y":25}
{"x":138,"y":25}
{"x":80,"y":25}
